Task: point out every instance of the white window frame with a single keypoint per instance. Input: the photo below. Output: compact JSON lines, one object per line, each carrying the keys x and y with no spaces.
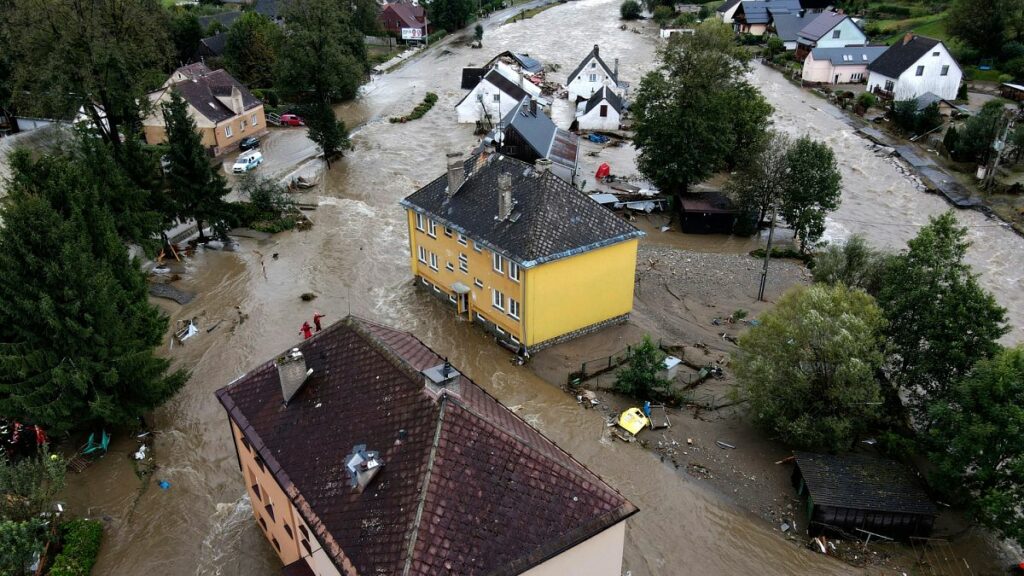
{"x":498,"y":328}
{"x":449,"y":266}
{"x":461,"y":239}
{"x":513,"y":339}
{"x":422,"y":254}
{"x":919,"y":71}
{"x":451,"y":298}
{"x":480,"y":317}
{"x":498,"y":263}
{"x":431,"y":228}
{"x":593,"y":78}
{"x":836,"y":34}
{"x":477,"y":247}
{"x":448,"y":232}
{"x":497,"y":97}
{"x":463,"y":263}
{"x":425,"y":282}
{"x":433,"y":262}
{"x":420,"y":222}
{"x":513,"y":271}
{"x":513,"y":308}
{"x":478,"y":283}
{"x":497,"y":299}
{"x":228,"y":133}
{"x":254,"y":120}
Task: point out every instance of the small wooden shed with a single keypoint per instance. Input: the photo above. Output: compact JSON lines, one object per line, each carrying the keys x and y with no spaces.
{"x":706,"y":213}
{"x":851,"y":491}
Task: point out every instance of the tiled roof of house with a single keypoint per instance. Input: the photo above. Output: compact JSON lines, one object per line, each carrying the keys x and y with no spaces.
{"x":467,"y":487}
{"x":551,"y":218}
{"x":541,"y":134}
{"x":596,"y":54}
{"x":215,"y":44}
{"x":411,"y":15}
{"x":862,"y":482}
{"x":761,"y":12}
{"x":819,"y":26}
{"x":225,"y":19}
{"x":849,"y":55}
{"x":604,"y":94}
{"x":902,"y":55}
{"x":727,"y":5}
{"x":204,"y":86}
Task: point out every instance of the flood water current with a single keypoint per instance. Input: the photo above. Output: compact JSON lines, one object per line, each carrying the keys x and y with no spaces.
{"x":356,"y":261}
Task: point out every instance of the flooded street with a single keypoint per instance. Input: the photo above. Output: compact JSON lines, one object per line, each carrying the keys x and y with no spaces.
{"x":355,"y":260}
{"x":882,"y":205}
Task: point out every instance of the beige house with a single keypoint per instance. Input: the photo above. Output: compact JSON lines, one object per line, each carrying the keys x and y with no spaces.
{"x":365,"y":452}
{"x":224,"y":110}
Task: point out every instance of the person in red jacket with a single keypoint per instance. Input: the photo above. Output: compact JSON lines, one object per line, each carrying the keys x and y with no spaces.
{"x":307,"y":331}
{"x":316,"y":320}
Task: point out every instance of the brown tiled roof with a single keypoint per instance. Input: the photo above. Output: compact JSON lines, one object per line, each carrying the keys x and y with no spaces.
{"x":204,"y":86}
{"x":411,"y":15}
{"x":468,"y":488}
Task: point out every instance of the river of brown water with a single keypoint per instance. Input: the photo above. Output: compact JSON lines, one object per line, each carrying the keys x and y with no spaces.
{"x":355,"y":260}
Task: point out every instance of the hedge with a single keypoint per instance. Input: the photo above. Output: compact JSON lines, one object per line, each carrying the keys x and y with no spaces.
{"x":417,"y":112}
{"x":436,"y":35}
{"x":81,"y":547}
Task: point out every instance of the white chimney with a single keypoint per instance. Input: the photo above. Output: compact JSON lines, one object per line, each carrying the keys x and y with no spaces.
{"x":505,"y":204}
{"x":456,"y":173}
{"x":542,"y":165}
{"x":291,"y":370}
{"x":443,"y":378}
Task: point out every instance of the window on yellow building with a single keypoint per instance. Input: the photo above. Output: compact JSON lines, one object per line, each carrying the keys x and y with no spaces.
{"x":447,"y":231}
{"x":478,"y":283}
{"x":276,"y":544}
{"x":309,"y":549}
{"x":513,"y":308}
{"x":477,"y":247}
{"x":433,"y":261}
{"x":463,"y":263}
{"x":420,"y":220}
{"x":497,"y":299}
{"x":513,"y":271}
{"x":242,"y":125}
{"x":227,"y":131}
{"x":448,"y":266}
{"x":253,"y":121}
{"x":499,"y":263}
{"x":288,"y":531}
{"x":423,"y":254}
{"x":263,"y":524}
{"x":462,"y":239}
{"x":303,"y":531}
{"x":432,"y":229}
{"x":270,"y":509}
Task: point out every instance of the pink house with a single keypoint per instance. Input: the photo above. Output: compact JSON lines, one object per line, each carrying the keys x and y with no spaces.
{"x":846,"y":65}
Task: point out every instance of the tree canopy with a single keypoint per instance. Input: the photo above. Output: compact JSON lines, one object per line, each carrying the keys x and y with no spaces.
{"x":811,"y":189}
{"x":322,"y":57}
{"x":978,"y":442}
{"x":76,"y":330}
{"x":450,"y":14}
{"x":761,"y":179}
{"x":940,"y":321}
{"x":639,"y":378}
{"x":29,"y":487}
{"x":697,"y":114}
{"x":853,"y":264}
{"x":251,"y":49}
{"x":809,"y":367}
{"x":185,"y":32}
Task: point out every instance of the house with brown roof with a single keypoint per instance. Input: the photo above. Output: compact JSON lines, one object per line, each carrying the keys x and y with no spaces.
{"x":365,"y":452}
{"x":396,"y":16}
{"x":223,"y":109}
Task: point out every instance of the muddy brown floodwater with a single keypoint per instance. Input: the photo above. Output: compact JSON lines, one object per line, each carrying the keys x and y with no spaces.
{"x":355,"y":260}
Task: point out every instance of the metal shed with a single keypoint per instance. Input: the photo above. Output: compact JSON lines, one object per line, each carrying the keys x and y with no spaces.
{"x":858,"y":491}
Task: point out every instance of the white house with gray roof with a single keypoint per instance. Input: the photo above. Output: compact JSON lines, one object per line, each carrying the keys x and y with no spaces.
{"x":914,"y":66}
{"x":828,"y":30}
{"x":847,"y":65}
{"x":603,"y":111}
{"x":591,"y":75}
{"x":499,"y":90}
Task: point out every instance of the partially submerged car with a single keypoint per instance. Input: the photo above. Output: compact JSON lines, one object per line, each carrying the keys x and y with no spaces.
{"x":247,"y":161}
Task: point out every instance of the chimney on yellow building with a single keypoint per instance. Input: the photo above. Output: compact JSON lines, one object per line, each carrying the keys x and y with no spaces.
{"x":456,"y":172}
{"x":504,"y":196}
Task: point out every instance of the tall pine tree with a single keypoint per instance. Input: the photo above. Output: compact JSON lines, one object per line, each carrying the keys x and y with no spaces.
{"x":76,"y":330}
{"x":197,"y":188}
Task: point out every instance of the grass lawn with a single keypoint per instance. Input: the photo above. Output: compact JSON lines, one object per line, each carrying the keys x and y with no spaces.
{"x":932,"y":26}
{"x":534,"y":11}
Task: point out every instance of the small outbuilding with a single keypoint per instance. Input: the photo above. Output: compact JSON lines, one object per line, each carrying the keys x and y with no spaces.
{"x":602,"y":111}
{"x":1011,"y":91}
{"x":706,"y":213}
{"x":858,"y":491}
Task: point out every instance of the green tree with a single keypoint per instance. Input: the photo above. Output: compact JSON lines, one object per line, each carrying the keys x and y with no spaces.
{"x":478,"y":34}
{"x":185,"y":33}
{"x":6,"y":60}
{"x":197,"y":187}
{"x":450,"y":14}
{"x":640,"y":376}
{"x":761,"y":180}
{"x":663,"y":15}
{"x":364,"y":17}
{"x":812,"y":189}
{"x":978,"y":442}
{"x":250,"y":52}
{"x":29,"y":487}
{"x":774,"y":46}
{"x":979,"y":23}
{"x":684,"y":117}
{"x":76,"y":330}
{"x":904,"y":115}
{"x":326,"y":130}
{"x":809,"y":367}
{"x":630,"y":10}
{"x":853,"y":264}
{"x":941,"y":322}
{"x":97,"y":55}
{"x":21,"y":541}
{"x":974,"y":140}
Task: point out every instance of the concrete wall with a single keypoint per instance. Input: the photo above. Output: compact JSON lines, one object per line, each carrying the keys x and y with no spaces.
{"x":599,"y":556}
{"x":575,"y":292}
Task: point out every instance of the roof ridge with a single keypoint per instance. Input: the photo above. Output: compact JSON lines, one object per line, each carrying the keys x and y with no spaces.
{"x":421,"y":504}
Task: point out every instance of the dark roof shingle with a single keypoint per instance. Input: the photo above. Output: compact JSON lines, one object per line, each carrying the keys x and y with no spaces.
{"x":862,"y":482}
{"x":817,"y":27}
{"x":902,"y":55}
{"x":467,"y":487}
{"x":203,"y":87}
{"x":551,"y":219}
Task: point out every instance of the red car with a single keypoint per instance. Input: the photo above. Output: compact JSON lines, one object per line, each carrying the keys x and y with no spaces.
{"x":291,"y":120}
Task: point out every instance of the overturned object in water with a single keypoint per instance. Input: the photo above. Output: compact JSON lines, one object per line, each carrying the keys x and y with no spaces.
{"x":633,"y":420}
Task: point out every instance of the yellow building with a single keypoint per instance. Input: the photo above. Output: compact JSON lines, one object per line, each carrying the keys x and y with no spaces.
{"x":519,"y":250}
{"x":362,"y":451}
{"x":224,"y":110}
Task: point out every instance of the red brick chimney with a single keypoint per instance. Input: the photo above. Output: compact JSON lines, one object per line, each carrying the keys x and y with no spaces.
{"x":907,"y":38}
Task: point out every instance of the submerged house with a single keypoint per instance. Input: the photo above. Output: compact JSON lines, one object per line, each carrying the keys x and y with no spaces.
{"x":521,"y":252}
{"x":526,"y":133}
{"x":363,"y":451}
{"x":591,"y":75}
{"x":603,"y":111}
{"x":858,"y":491}
{"x":913,"y":66}
{"x":492,"y":93}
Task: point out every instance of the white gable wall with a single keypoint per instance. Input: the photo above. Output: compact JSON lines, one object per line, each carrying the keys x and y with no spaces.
{"x":909,"y":85}
{"x":849,"y":35}
{"x":590,"y":79}
{"x":495,"y":102}
{"x":594,"y":121}
{"x":727,"y":15}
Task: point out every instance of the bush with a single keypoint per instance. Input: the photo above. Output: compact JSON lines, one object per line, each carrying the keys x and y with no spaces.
{"x":417,"y":112}
{"x":82,"y":540}
{"x":775,"y":46}
{"x":436,"y":35}
{"x":640,"y":378}
{"x":866,"y":100}
{"x":630,"y":10}
{"x":685,"y":19}
{"x":663,"y":15}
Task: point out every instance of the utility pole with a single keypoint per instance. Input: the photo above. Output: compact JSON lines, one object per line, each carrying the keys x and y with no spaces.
{"x":999,"y":145}
{"x":768,"y":251}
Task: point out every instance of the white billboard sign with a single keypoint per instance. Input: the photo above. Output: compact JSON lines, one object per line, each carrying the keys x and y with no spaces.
{"x":412,"y":33}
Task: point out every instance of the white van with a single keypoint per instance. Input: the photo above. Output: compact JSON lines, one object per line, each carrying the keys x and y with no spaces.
{"x":247,"y":161}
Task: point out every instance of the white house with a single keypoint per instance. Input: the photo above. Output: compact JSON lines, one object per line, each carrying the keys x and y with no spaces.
{"x":845,"y":65}
{"x":727,"y":9}
{"x":603,"y":111}
{"x":914,"y":66}
{"x":828,"y":30}
{"x":499,"y":90}
{"x":591,"y":75}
